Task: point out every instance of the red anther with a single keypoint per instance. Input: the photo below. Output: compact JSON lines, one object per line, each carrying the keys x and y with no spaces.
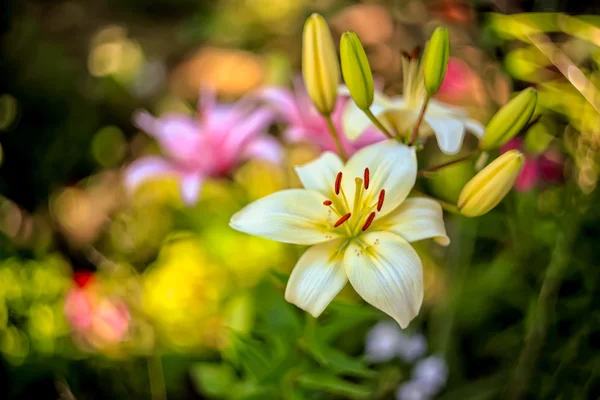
{"x":327,"y":203}
{"x":342,"y":220}
{"x":381,"y":198}
{"x":370,"y":219}
{"x":338,"y":183}
{"x":366,"y":181}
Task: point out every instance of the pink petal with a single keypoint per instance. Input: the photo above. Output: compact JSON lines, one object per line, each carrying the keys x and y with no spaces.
{"x":206,"y":101}
{"x":180,"y":138}
{"x":551,"y":169}
{"x":147,"y":168}
{"x":371,"y":135}
{"x":264,"y":147}
{"x":78,"y":309}
{"x":295,"y":134}
{"x":144,"y":121}
{"x":455,"y":81}
{"x":529,"y":175}
{"x":284,"y":102}
{"x":190,"y":188}
{"x":513,"y":144}
{"x":252,"y":126}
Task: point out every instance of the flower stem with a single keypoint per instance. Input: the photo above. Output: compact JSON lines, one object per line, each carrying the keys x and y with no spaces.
{"x":436,"y":168}
{"x":542,"y":312}
{"x":156,"y":377}
{"x":415,"y":130}
{"x":336,"y":137}
{"x":378,"y":124}
{"x":445,"y":205}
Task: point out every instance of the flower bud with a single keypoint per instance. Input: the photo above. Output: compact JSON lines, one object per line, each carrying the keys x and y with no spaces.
{"x":509,"y":120}
{"x":486,"y":189}
{"x":435,"y":60}
{"x":320,"y":66}
{"x":356,"y":70}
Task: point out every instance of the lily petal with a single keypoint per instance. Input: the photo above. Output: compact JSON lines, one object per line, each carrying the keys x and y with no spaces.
{"x":147,"y":168}
{"x":392,"y":167}
{"x":449,"y":133}
{"x":354,"y":120}
{"x":386,"y":271}
{"x":178,"y":135}
{"x":417,"y":218}
{"x":317,"y":278}
{"x":320,"y":174}
{"x":289,"y":216}
{"x":475,"y":127}
{"x":264,"y":147}
{"x":400,"y":121}
{"x":247,"y":129}
{"x":283,"y":101}
{"x":190,"y":188}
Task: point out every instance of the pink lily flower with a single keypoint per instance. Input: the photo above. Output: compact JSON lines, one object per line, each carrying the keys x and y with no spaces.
{"x":546,"y":167}
{"x":97,"y":320}
{"x":211,"y":144}
{"x":306,"y":124}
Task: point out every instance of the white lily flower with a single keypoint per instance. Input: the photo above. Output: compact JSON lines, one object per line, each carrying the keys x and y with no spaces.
{"x":360,"y":224}
{"x":399,"y":114}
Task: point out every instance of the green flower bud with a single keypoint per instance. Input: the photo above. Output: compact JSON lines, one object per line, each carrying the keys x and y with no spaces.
{"x":356,"y":70}
{"x":509,"y":120}
{"x":320,"y":66}
{"x":486,"y":189}
{"x":435,"y":60}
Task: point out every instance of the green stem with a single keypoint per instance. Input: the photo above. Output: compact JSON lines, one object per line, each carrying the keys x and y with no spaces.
{"x":378,"y":124}
{"x":459,"y":256}
{"x":336,"y":137}
{"x":542,"y":313}
{"x":415,"y":131}
{"x":156,"y":376}
{"x":436,"y":168}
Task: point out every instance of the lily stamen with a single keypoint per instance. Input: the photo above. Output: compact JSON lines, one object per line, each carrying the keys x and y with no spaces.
{"x":381,"y":199}
{"x":357,"y":194}
{"x":366,"y":178}
{"x":338,"y":183}
{"x":368,"y":222}
{"x":342,"y":220}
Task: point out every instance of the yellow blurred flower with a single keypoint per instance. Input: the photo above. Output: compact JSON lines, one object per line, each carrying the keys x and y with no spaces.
{"x":183,"y":291}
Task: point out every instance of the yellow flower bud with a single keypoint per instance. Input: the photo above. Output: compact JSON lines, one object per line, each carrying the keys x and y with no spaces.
{"x":435,"y":60}
{"x":509,"y":120}
{"x":356,"y":70}
{"x":486,"y":189}
{"x":320,"y":66}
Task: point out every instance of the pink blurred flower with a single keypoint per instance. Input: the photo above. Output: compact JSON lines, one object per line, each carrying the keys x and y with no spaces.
{"x":546,"y":167}
{"x":456,"y":81}
{"x":95,"y":319}
{"x":306,"y":124}
{"x":210,"y":144}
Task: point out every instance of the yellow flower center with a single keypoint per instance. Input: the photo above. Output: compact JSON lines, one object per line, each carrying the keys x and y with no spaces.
{"x":358,"y":218}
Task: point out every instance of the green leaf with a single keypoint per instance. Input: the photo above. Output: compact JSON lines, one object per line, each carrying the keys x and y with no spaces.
{"x":213,"y":379}
{"x":330,"y":358}
{"x":333,"y":385}
{"x":343,"y":317}
{"x":253,"y":391}
{"x":341,"y":363}
{"x":251,"y":356}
